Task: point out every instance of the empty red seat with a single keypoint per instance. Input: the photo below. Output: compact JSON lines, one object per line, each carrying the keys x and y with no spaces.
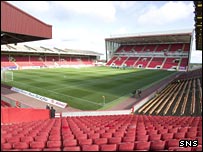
{"x":3,"y":140}
{"x":13,"y":140}
{"x":149,"y":132}
{"x":26,"y":139}
{"x":163,"y":131}
{"x":179,"y":148}
{"x":118,"y":134}
{"x":114,"y":140}
{"x":85,"y":141}
{"x":199,"y":140}
{"x":81,"y":136}
{"x":37,"y":145}
{"x":100,"y":141}
{"x":191,"y":134}
{"x":6,"y":146}
{"x":36,"y":149}
{"x":94,"y":136}
{"x":199,"y":134}
{"x":179,"y":135}
{"x":167,"y":136}
{"x":109,"y":147}
{"x":142,"y":145}
{"x":157,"y":145}
{"x":142,"y":132}
{"x":198,"y":148}
{"x":52,"y":149}
{"x":21,"y":145}
{"x":142,"y":137}
{"x":40,"y":138}
{"x":191,"y":129}
{"x":67,"y":142}
{"x":129,"y":139}
{"x":72,"y":148}
{"x":90,"y":148}
{"x":173,"y":130}
{"x":172,"y":143}
{"x":106,"y":135}
{"x":54,"y":137}
{"x":183,"y":129}
{"x":153,"y":137}
{"x":53,"y":144}
{"x":128,"y":146}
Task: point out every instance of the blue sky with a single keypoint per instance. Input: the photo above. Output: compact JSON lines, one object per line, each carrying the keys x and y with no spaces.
{"x":85,"y":25}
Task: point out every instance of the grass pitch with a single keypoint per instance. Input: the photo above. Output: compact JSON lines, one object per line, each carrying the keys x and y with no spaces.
{"x":84,"y":88}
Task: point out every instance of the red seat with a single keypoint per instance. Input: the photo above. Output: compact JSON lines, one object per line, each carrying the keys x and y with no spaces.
{"x":90,"y":148}
{"x":6,"y":146}
{"x":157,"y":145}
{"x":173,"y":130}
{"x":179,"y":135}
{"x":152,"y":132}
{"x":153,"y":137}
{"x":114,"y":140}
{"x":129,"y":139}
{"x":26,"y":139}
{"x":106,"y":135}
{"x":192,"y":129}
{"x":126,"y":146}
{"x":54,"y":137}
{"x":179,"y":148}
{"x":118,"y":134}
{"x":40,"y":138}
{"x":142,"y":145}
{"x":52,"y":149}
{"x":198,"y":148}
{"x":85,"y":141}
{"x":54,"y":144}
{"x":191,"y":134}
{"x":109,"y":147}
{"x":142,"y":137}
{"x":199,"y":134}
{"x":13,"y":140}
{"x":172,"y":143}
{"x":21,"y":145}
{"x":3,"y":140}
{"x":142,"y":132}
{"x":37,"y":145}
{"x":183,"y":129}
{"x":163,"y":131}
{"x":67,"y":143}
{"x":100,"y":141}
{"x":94,"y":136}
{"x":199,"y":140}
{"x":72,"y":148}
{"x":37,"y":149}
{"x":167,"y":136}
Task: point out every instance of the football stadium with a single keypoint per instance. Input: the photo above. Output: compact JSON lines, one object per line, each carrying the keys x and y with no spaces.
{"x":145,"y":96}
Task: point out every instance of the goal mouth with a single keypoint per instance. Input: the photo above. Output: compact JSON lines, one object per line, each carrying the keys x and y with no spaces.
{"x":6,"y":76}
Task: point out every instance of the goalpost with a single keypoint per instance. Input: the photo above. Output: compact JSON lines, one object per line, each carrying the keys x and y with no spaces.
{"x":6,"y":76}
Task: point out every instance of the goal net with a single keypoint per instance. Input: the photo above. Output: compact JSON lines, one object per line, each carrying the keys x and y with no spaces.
{"x":6,"y":76}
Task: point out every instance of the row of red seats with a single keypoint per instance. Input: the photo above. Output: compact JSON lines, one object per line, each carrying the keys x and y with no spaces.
{"x":114,"y":132}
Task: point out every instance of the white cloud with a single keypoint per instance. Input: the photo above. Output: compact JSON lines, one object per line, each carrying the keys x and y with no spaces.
{"x":170,"y":12}
{"x":102,"y":9}
{"x":125,"y":4}
{"x":32,"y":6}
{"x":121,"y":30}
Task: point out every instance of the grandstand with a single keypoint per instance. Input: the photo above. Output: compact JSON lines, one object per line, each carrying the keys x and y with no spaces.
{"x":163,"y":50}
{"x":27,"y":57}
{"x":157,"y":121}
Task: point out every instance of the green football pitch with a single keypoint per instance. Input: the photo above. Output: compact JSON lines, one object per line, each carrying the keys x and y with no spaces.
{"x":86,"y":88}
